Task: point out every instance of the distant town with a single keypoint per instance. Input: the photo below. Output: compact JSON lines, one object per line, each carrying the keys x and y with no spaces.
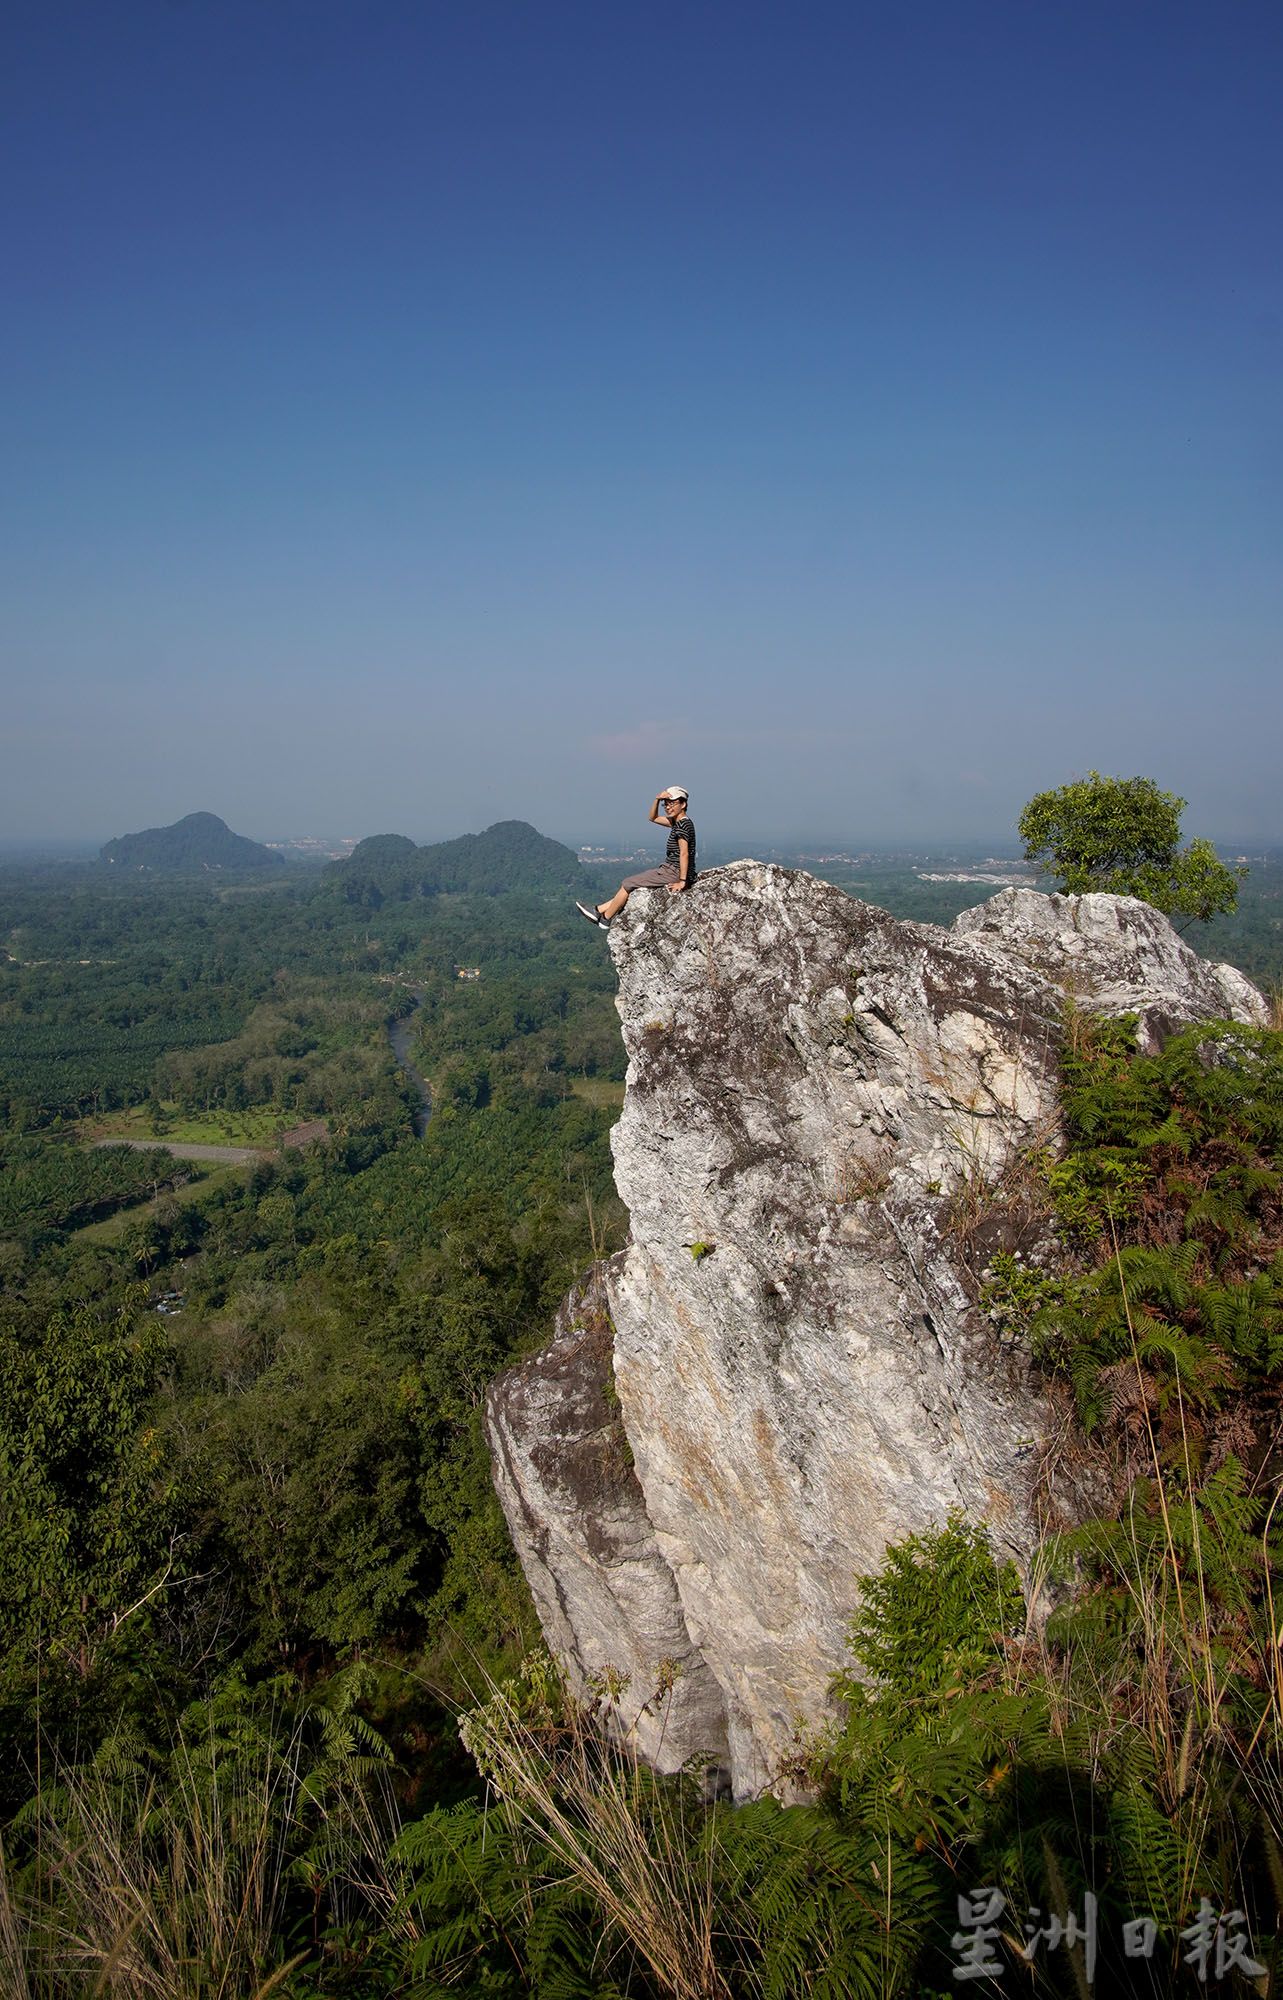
{"x":313,"y":847}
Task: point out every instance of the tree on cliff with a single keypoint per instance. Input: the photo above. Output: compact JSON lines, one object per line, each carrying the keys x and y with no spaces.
{"x":1119,"y":836}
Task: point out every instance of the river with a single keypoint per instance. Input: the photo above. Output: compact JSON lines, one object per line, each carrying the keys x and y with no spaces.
{"x":401,"y":1038}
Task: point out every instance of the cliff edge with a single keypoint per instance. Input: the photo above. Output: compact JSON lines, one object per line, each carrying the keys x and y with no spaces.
{"x":785,"y":1370}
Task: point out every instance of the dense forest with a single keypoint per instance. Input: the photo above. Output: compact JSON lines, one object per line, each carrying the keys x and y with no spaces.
{"x":252,"y":1571}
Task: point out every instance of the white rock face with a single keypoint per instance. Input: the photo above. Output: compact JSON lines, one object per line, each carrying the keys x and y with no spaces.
{"x":1114,"y":955}
{"x":800,"y":1373}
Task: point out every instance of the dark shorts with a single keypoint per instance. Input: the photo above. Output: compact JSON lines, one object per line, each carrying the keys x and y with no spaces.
{"x":654,"y":878}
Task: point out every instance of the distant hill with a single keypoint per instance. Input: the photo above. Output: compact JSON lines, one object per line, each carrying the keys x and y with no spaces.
{"x":384,"y":850}
{"x":202,"y":843}
{"x":509,"y":855}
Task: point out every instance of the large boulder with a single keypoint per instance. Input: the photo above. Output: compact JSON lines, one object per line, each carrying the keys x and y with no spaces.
{"x":1113,"y":955}
{"x":816,"y":1094}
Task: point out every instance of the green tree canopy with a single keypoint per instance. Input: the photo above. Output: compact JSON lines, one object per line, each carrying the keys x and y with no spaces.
{"x":90,"y":1522}
{"x":1120,"y":836}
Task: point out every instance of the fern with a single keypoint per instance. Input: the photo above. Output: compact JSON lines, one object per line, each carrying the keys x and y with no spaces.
{"x":818,"y":1906}
{"x":1245,"y":1315}
{"x":931,"y":1613}
{"x":489,"y":1911}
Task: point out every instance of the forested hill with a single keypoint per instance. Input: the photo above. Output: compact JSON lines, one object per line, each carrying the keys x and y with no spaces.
{"x":509,"y":855}
{"x":200,"y":842}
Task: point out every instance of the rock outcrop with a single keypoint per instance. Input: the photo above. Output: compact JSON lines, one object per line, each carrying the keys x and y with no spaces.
{"x":607,"y":1600}
{"x":785,"y":1370}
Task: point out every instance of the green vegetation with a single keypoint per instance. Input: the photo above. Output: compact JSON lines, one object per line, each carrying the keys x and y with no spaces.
{"x":251,"y":1564}
{"x":307,"y":1405}
{"x":131,"y":1224}
{"x":507,"y":856}
{"x":312,"y":1049}
{"x":198,"y":843}
{"x":1175,"y":1169}
{"x":46,"y":1189}
{"x":50,"y":1072}
{"x":1120,"y":836}
{"x":90,"y":1511}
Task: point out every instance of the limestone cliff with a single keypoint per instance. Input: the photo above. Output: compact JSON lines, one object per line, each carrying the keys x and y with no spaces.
{"x":785,"y":1370}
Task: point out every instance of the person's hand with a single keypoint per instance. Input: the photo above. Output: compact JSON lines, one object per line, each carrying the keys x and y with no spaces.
{"x":675,"y":888}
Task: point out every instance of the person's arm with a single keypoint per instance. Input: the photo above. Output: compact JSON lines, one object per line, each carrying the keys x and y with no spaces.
{"x":660,"y":818}
{"x":684,"y":863}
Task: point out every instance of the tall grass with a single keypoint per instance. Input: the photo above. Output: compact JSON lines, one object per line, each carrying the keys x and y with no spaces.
{"x":604,"y":1823}
{"x":209,"y":1875}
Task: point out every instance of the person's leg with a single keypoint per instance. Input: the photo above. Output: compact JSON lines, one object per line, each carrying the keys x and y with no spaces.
{"x":650,"y":878}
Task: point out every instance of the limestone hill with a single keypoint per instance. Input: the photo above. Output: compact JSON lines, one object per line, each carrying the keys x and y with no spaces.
{"x":511,"y":855}
{"x":199,"y":844}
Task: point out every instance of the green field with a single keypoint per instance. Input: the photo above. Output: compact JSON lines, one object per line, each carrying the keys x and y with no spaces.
{"x":206,"y":1128}
{"x":598,"y":1090}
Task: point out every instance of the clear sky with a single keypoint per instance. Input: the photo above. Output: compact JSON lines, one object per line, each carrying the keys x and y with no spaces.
{"x":415,"y":413}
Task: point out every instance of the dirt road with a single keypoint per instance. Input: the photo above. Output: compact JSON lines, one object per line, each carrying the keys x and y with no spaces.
{"x":227,"y":1156}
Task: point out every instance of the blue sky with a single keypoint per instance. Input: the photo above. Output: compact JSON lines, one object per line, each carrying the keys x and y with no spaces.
{"x":419,"y":414}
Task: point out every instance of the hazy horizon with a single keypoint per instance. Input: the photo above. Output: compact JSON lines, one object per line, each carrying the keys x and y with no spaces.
{"x":623,"y":840}
{"x":421,"y":417}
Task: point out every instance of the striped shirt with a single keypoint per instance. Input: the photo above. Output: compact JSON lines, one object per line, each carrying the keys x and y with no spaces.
{"x":682,"y":829}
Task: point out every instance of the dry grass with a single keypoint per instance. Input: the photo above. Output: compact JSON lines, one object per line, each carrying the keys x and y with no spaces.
{"x":602,"y":1821}
{"x":1011,"y":1211}
{"x":863,"y":1176}
{"x":13,"y":1956}
{"x":141,"y":1892}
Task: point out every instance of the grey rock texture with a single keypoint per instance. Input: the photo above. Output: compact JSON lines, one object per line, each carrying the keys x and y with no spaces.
{"x":800,"y":1372}
{"x":1114,"y":956}
{"x":606,"y":1598}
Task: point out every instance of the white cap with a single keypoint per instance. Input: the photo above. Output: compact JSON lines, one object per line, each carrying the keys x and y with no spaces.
{"x":676,"y":792}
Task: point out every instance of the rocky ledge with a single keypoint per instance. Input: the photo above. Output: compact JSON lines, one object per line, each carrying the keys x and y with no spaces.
{"x":785,"y":1370}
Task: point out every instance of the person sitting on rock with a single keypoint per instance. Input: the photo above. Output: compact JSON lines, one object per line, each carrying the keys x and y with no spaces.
{"x":674,"y":873}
